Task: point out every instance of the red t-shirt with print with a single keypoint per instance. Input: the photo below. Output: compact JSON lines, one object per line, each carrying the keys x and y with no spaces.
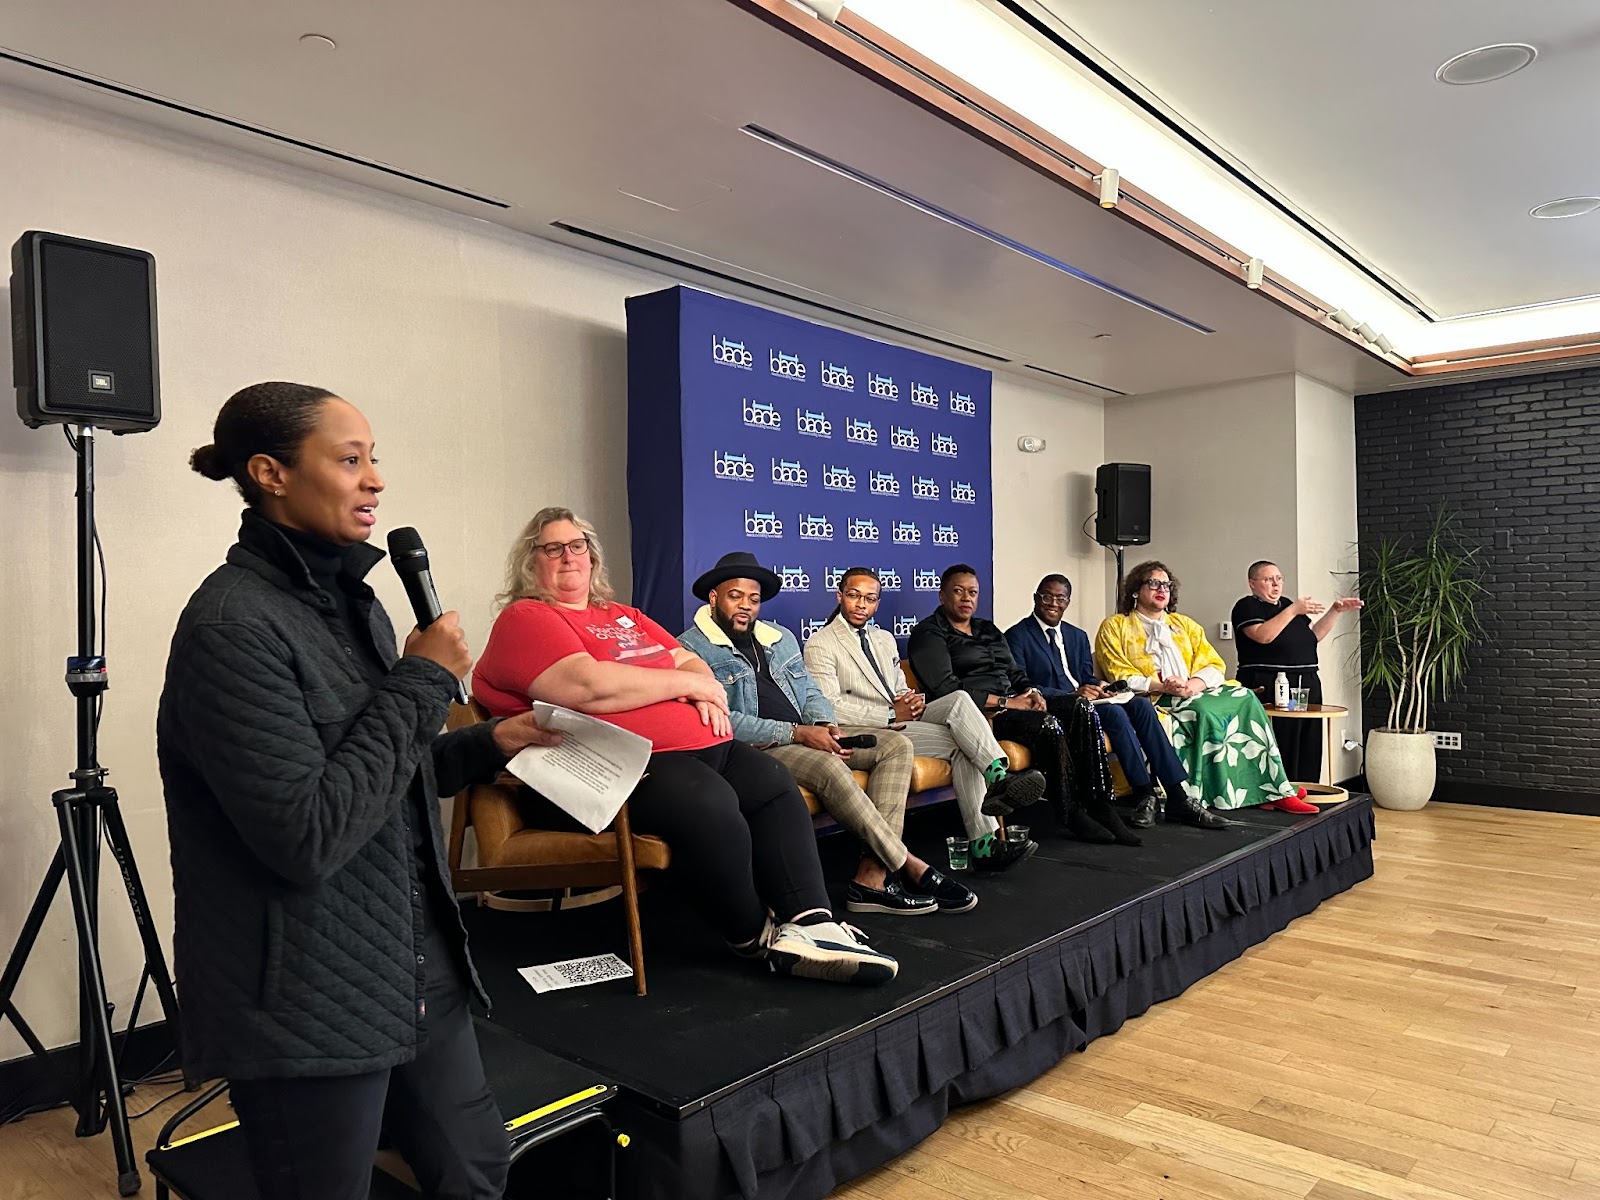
{"x":530,"y":636}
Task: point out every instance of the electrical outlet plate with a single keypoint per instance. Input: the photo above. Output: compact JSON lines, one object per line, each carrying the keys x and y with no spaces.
{"x":1225,"y":631}
{"x":1446,"y":741}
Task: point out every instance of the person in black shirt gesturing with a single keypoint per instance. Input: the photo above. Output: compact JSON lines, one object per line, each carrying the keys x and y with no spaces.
{"x":955,"y":650}
{"x":1276,"y":634}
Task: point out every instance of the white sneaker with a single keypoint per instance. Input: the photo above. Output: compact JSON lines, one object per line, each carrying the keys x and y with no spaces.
{"x":829,"y":950}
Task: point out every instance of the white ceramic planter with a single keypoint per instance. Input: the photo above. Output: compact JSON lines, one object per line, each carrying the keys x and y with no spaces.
{"x":1400,"y":769}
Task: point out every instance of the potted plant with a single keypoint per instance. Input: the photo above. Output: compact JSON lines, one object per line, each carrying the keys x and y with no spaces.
{"x":1419,"y":619}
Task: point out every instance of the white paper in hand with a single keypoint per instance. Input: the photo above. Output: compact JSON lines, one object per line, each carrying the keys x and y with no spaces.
{"x":592,"y":771}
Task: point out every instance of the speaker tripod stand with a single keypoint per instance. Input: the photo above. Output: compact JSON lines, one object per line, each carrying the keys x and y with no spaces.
{"x":86,"y":812}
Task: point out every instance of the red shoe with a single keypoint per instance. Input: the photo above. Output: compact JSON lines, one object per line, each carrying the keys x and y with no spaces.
{"x":1290,"y":804}
{"x":1300,"y":794}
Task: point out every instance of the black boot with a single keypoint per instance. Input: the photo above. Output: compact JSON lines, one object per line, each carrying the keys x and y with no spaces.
{"x":1085,"y":828}
{"x":1107,"y":816}
{"x":1184,"y":809}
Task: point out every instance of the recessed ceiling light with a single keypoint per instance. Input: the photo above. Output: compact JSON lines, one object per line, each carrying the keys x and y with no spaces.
{"x":1487,"y":63}
{"x":1572,"y":206}
{"x":318,"y":41}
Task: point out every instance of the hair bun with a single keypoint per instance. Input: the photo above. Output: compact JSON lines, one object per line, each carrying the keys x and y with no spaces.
{"x":207,"y":460}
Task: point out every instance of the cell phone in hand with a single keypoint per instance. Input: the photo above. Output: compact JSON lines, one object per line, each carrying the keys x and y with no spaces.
{"x":1115,"y":686}
{"x":858,"y":741}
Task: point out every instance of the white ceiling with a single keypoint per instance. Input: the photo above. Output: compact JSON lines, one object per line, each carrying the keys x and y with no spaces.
{"x":624,"y":119}
{"x":1337,"y":108}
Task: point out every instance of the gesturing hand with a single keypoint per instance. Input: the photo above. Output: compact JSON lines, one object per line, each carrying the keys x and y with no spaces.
{"x":443,"y":642}
{"x":1308,"y":606}
{"x":521,"y":731}
{"x":1346,"y":603}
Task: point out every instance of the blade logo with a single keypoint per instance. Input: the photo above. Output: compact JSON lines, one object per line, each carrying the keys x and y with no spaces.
{"x":731,"y":354}
{"x":733,"y":466}
{"x":902,"y":438}
{"x":888,"y":579}
{"x":924,"y":579}
{"x":945,"y":446}
{"x":834,"y":577}
{"x":758,"y":414}
{"x":835,"y":376}
{"x":789,"y":473}
{"x":809,"y":626}
{"x":815,"y":529}
{"x":906,"y":533}
{"x":786,"y":366}
{"x":946,"y":535}
{"x":794,"y":579}
{"x":924,"y":487}
{"x":924,"y":396}
{"x":838,"y":479}
{"x":760,"y":524}
{"x":863,"y":432}
{"x":904,"y":625}
{"x":963,"y":405}
{"x":882,"y":386}
{"x":861,"y":530}
{"x":812,"y":424}
{"x":885,"y":484}
{"x":962,"y":493}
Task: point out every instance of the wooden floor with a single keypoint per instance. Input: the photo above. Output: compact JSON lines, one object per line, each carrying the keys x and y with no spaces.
{"x":1432,"y":1035}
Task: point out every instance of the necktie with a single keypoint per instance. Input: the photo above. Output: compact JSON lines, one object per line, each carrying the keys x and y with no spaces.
{"x":866,"y":648}
{"x":1053,"y":636}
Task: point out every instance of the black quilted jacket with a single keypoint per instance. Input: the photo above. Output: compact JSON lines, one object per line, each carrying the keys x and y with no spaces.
{"x":289,"y":784}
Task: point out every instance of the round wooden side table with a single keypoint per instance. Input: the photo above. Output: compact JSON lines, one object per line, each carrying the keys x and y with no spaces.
{"x":1323,"y":791}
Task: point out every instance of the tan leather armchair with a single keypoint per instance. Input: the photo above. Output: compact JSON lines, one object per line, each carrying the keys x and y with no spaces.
{"x":513,"y":857}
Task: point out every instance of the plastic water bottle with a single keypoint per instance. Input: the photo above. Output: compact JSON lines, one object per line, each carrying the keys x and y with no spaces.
{"x":1280,"y":691}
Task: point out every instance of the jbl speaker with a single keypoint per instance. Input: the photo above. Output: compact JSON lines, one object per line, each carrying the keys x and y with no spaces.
{"x":83,"y":333}
{"x":1122,"y":495}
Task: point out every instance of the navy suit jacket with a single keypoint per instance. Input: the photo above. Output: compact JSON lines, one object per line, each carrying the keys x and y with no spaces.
{"x":1039,"y":662}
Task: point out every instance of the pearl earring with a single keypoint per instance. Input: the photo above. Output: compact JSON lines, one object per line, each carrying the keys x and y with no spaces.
{"x":279,"y":492}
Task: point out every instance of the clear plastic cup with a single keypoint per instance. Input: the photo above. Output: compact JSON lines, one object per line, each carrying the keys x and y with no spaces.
{"x":959,"y":850}
{"x":1017,"y":835}
{"x":1300,"y":698}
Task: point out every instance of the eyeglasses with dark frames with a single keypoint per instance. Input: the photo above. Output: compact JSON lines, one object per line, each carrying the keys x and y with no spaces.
{"x":1158,"y":585}
{"x":578,"y":548}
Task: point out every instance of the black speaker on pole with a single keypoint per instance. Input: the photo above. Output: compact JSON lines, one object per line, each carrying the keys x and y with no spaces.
{"x":83,"y":333}
{"x":1122,"y":497}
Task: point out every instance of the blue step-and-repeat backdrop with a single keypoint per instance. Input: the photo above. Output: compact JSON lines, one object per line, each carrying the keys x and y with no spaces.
{"x":812,"y":448}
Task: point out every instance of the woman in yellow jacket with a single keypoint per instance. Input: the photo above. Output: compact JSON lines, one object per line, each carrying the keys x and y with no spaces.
{"x":1219,"y":728}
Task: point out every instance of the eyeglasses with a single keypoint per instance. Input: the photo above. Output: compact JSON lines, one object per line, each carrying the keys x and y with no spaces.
{"x":856,"y":597}
{"x":1052,"y":599}
{"x":1158,"y":585}
{"x":1269,"y":579}
{"x":578,"y":548}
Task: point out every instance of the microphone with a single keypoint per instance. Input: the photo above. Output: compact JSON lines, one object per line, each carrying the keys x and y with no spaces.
{"x":411,"y":564}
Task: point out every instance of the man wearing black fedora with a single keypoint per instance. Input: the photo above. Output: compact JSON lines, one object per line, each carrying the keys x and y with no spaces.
{"x":775,"y":704}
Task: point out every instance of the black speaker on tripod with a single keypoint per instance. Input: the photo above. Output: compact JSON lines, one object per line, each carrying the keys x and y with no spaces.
{"x":1122,"y":504}
{"x":83,"y":332}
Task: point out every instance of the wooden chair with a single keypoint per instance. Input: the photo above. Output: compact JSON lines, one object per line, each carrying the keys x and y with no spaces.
{"x":514,"y":857}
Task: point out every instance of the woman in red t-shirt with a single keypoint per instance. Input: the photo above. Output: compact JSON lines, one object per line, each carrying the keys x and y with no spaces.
{"x":741,"y":838}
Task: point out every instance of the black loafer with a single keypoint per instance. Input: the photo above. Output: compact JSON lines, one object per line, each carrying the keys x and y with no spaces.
{"x":1013,"y":790}
{"x":891,"y":898}
{"x":951,"y":897}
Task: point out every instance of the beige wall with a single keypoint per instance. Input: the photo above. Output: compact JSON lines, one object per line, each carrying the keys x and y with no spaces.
{"x":1325,"y":519}
{"x":1041,"y":500}
{"x":1221,"y":496}
{"x":492,"y":367}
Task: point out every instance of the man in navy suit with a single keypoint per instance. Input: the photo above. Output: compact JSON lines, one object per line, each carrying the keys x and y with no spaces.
{"x":1056,"y":657}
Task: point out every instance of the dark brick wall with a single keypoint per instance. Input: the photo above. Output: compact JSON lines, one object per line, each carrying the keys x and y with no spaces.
{"x":1519,"y":460}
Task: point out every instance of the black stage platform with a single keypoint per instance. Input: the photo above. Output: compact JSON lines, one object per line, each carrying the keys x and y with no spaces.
{"x":735,"y":1082}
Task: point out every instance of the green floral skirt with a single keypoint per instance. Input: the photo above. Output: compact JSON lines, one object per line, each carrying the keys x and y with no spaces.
{"x":1225,"y":742}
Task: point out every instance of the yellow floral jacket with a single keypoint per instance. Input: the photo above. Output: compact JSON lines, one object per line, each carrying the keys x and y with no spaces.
{"x":1119,"y":649}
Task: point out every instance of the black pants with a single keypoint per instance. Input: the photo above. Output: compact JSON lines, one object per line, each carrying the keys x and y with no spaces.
{"x":1067,"y":745}
{"x":1299,"y":738}
{"x":314,"y":1138}
{"x":742,"y":840}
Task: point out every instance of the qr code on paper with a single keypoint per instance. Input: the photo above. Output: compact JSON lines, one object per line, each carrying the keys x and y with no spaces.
{"x":576,"y":972}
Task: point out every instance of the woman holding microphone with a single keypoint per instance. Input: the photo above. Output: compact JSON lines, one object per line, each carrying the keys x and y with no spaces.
{"x":322,"y":961}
